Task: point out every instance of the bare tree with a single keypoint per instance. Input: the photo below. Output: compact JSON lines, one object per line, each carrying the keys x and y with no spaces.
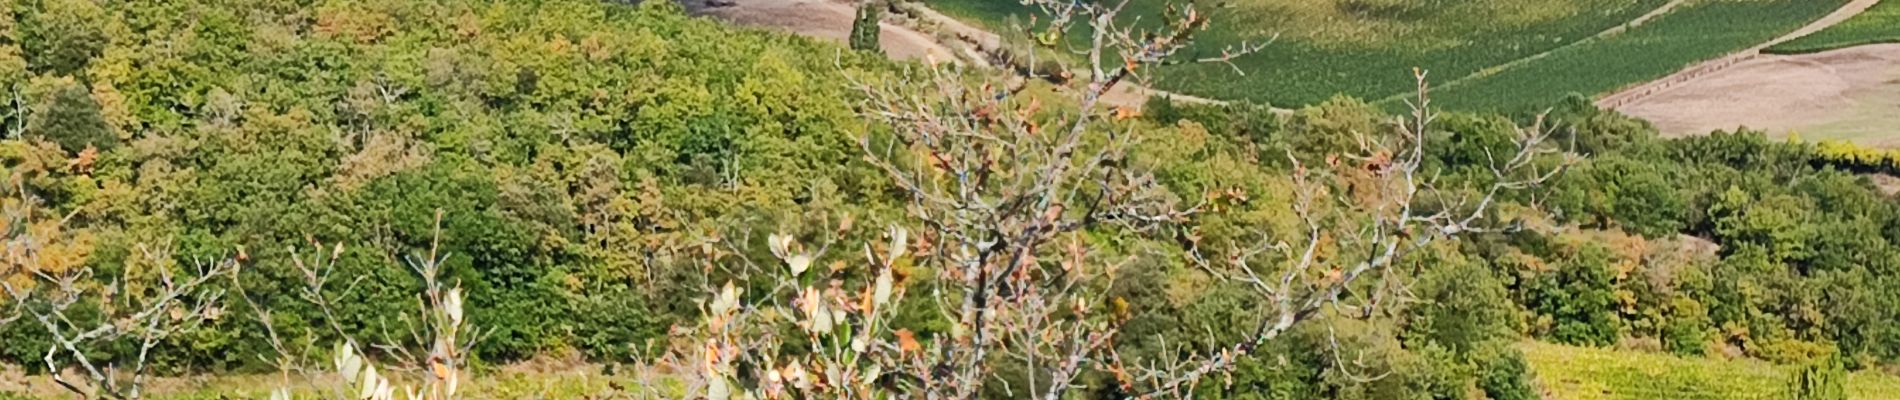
{"x":148,"y":302}
{"x":47,"y":280}
{"x":1373,"y":208}
{"x":428,"y":364}
{"x":999,"y":189}
{"x":153,"y":299}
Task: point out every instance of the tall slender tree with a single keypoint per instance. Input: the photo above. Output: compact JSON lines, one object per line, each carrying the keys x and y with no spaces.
{"x":864,"y":30}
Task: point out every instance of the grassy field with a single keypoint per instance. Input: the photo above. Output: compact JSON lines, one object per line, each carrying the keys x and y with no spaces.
{"x":1880,"y":24}
{"x":567,"y":381}
{"x":1704,"y":30}
{"x":1579,"y":373}
{"x":1363,"y":48}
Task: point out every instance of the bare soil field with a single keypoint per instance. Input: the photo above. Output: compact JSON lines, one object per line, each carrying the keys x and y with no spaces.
{"x":1851,"y":94}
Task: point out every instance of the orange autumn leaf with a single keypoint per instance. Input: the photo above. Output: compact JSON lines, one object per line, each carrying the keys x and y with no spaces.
{"x":1124,"y":113}
{"x":441,"y":371}
{"x":83,"y":163}
{"x":907,"y":342}
{"x":1051,"y":214}
{"x":1035,"y":104}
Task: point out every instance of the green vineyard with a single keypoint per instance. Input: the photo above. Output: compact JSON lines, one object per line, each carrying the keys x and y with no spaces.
{"x":1350,"y":47}
{"x":1368,"y":52}
{"x":1880,"y":24}
{"x":1690,"y":34}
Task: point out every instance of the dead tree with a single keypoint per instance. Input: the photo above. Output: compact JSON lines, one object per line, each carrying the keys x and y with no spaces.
{"x":1373,"y":208}
{"x":150,"y":300}
{"x":999,"y":188}
{"x":428,"y":363}
{"x":999,"y":185}
{"x":46,"y":281}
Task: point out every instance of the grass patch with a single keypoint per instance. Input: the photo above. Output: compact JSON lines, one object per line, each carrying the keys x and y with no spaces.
{"x":1692,"y":33}
{"x":1363,"y":48}
{"x":1880,"y":24}
{"x":1581,"y":373}
{"x":567,"y":381}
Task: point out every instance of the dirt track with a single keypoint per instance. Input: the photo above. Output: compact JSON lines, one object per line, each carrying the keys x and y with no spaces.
{"x":828,"y":19}
{"x":831,"y":19}
{"x":1851,"y":93}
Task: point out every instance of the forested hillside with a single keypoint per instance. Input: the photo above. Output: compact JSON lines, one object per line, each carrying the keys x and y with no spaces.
{"x":625,"y":183}
{"x":566,"y":142}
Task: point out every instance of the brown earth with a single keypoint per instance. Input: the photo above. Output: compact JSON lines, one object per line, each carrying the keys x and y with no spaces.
{"x":1851,"y":94}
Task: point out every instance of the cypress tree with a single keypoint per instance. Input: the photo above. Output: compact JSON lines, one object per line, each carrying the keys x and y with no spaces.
{"x":864,"y":30}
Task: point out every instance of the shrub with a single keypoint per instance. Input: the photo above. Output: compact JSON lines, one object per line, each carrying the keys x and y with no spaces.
{"x":1578,"y":297}
{"x":1461,"y":306}
{"x":1688,"y":328}
{"x":1502,"y":372}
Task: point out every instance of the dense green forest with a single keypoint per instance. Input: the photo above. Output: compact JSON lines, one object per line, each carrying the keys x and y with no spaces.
{"x":585,"y":158}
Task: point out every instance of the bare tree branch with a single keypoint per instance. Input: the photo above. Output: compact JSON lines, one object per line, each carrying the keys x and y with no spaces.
{"x":1388,"y":226}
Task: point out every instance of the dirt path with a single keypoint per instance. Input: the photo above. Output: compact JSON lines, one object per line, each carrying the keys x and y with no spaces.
{"x":826,"y":19}
{"x":980,"y":41}
{"x":1613,"y":31}
{"x":1636,"y":93}
{"x":957,"y":42}
{"x":977,"y":37}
